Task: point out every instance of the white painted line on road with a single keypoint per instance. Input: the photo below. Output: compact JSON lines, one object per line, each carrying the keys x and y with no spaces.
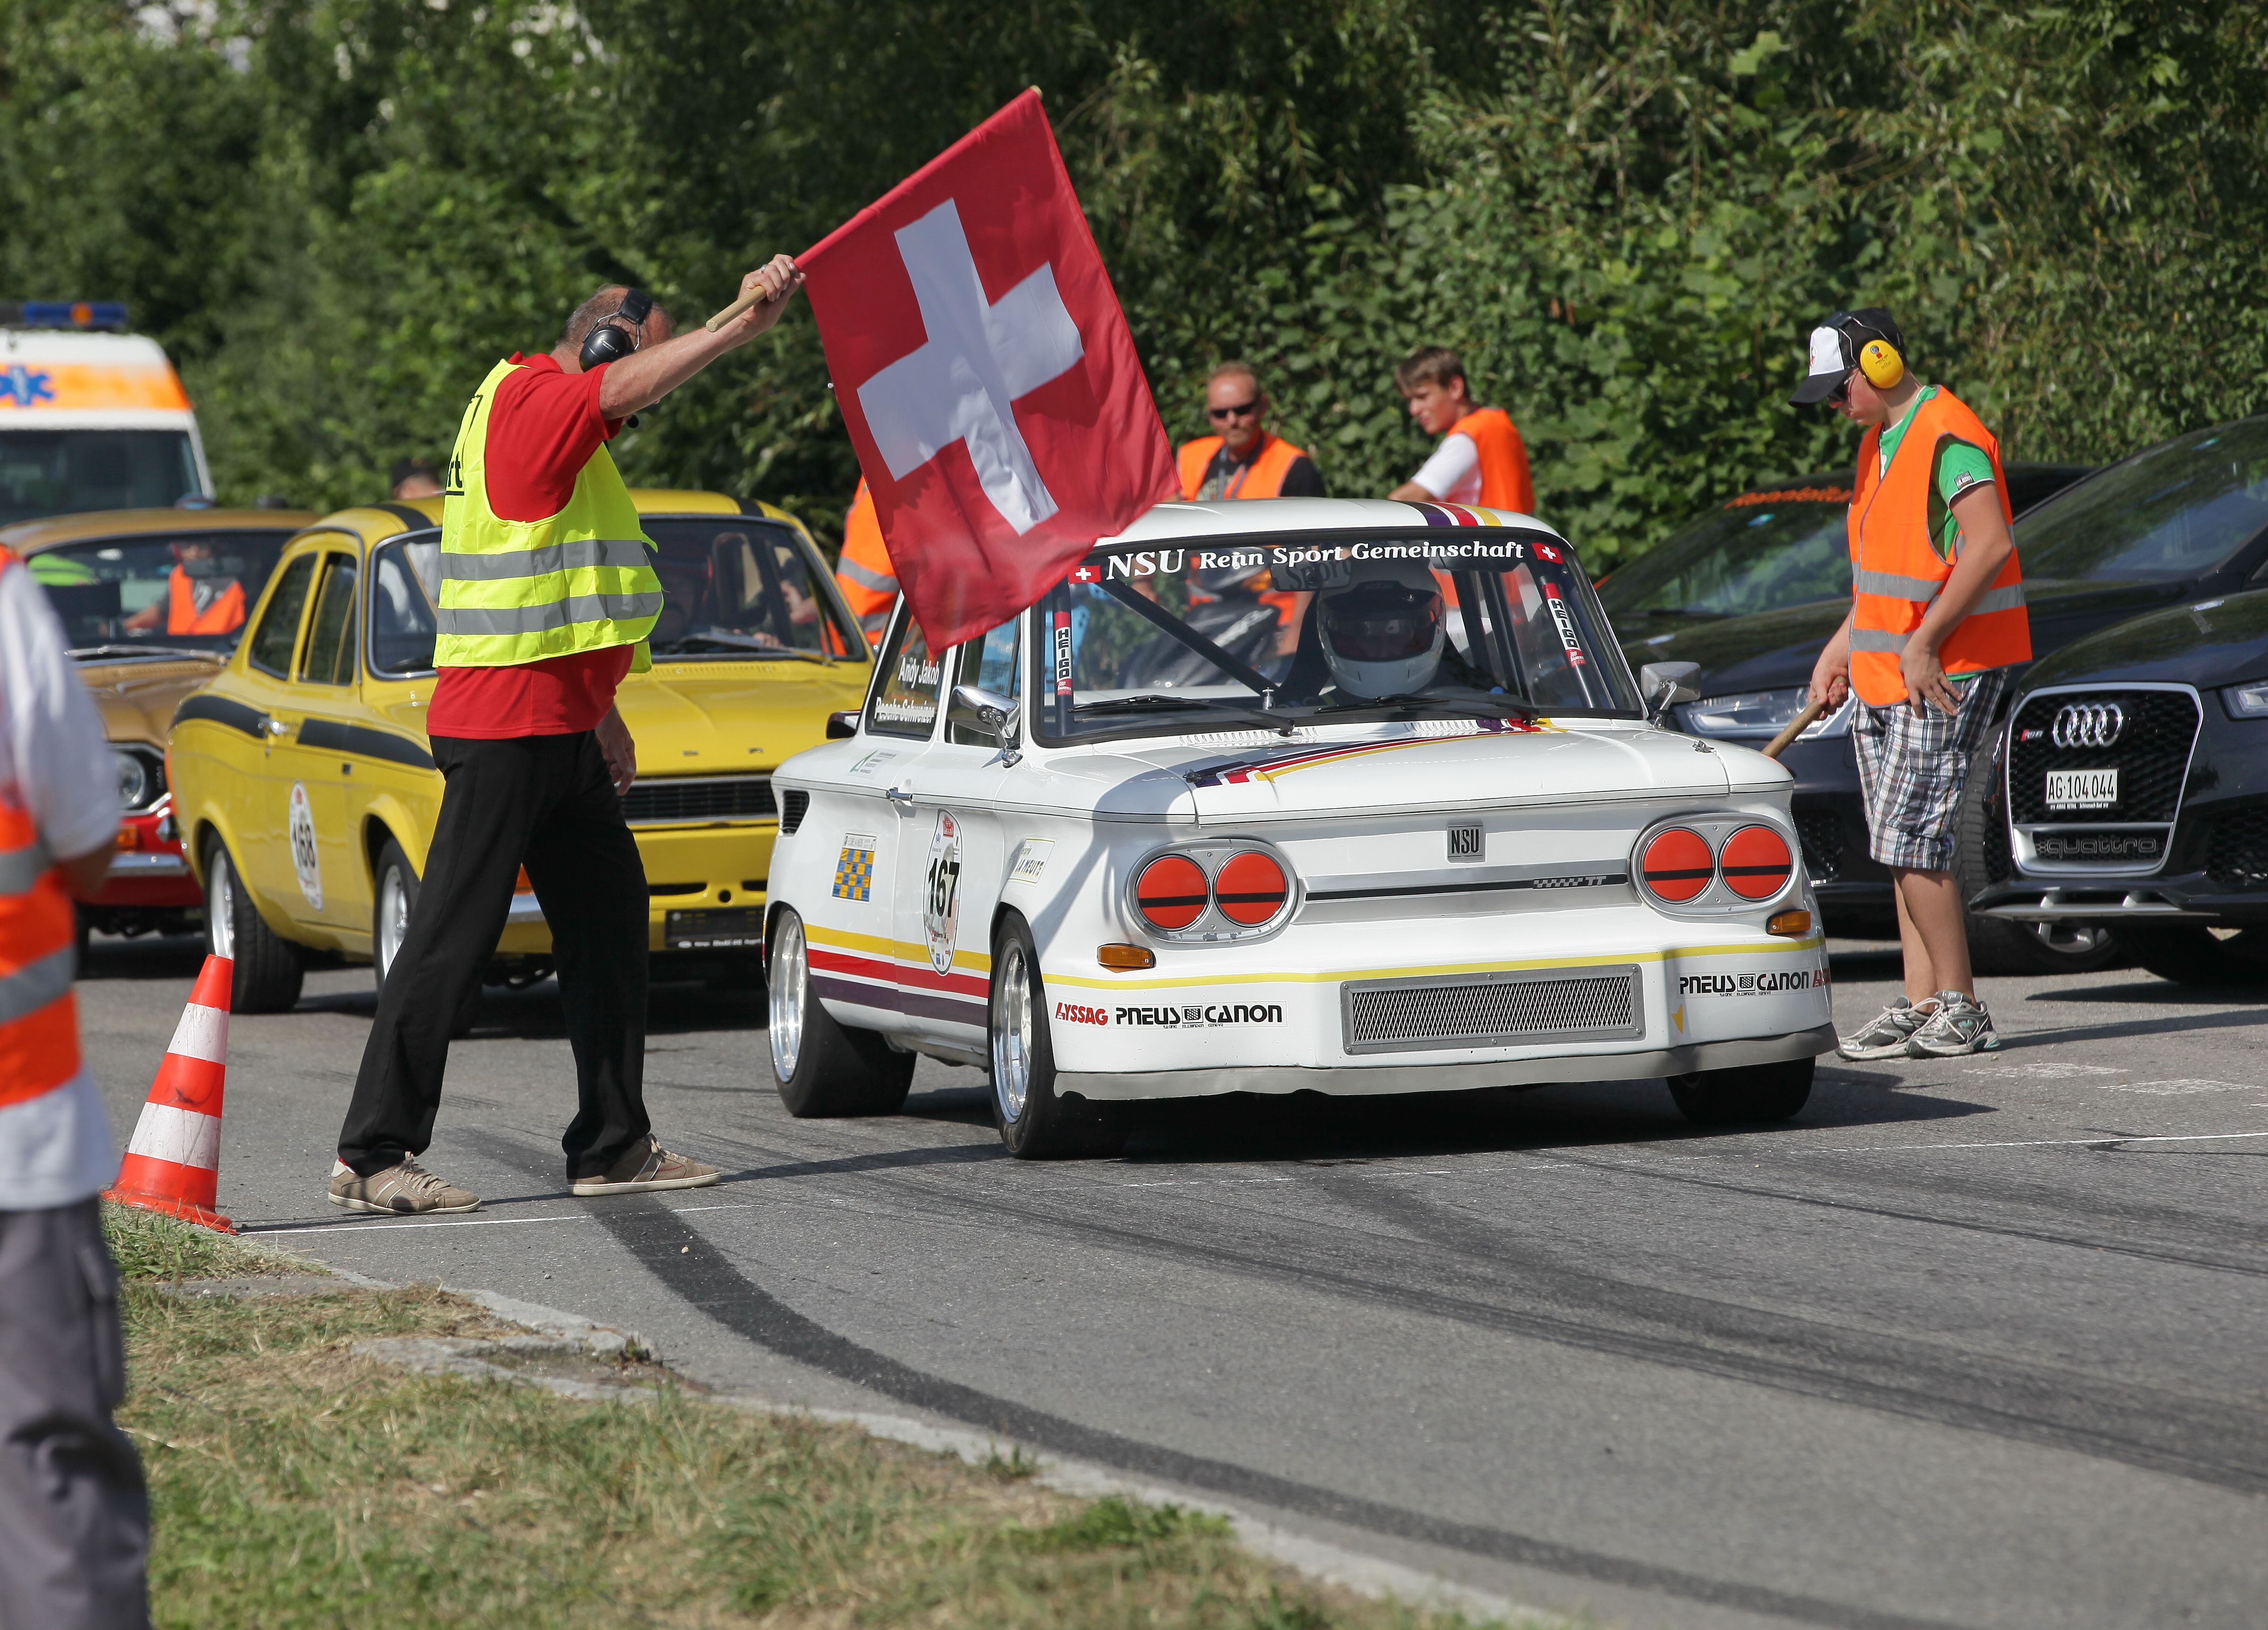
{"x":2038,"y":1143}
{"x":481,"y":1222}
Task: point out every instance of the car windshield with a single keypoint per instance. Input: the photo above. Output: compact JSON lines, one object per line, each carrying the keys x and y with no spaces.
{"x":188,"y":592}
{"x":735,"y":588}
{"x":2174,"y":511}
{"x":1758,"y":552}
{"x":66,"y":472}
{"x":1472,"y":625}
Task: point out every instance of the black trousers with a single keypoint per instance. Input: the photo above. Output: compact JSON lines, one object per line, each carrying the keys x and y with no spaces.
{"x":545,"y":802}
{"x":74,"y":1514}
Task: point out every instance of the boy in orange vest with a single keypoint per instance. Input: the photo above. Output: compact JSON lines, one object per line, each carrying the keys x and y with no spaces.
{"x":1481,"y":459}
{"x":1937,"y":619}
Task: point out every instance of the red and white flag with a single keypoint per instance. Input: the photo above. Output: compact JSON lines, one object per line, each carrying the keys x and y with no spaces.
{"x":987,"y":376}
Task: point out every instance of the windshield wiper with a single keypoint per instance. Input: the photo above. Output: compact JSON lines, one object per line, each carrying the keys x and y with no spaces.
{"x":1681,"y":611}
{"x":1278,"y":720}
{"x":85,"y":652}
{"x":1476,"y":707}
{"x":719,"y":639}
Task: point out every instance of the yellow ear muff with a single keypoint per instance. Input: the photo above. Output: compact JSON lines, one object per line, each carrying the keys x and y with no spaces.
{"x":1879,"y":362}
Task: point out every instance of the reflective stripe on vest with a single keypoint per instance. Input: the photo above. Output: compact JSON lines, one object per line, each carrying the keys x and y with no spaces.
{"x":863,"y":571}
{"x":1262,"y":478}
{"x":38,"y":1016}
{"x":1505,"y":481}
{"x":523,"y":591}
{"x":1896,"y":572}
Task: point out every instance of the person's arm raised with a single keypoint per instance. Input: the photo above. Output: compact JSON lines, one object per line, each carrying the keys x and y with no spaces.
{"x":646,"y":376}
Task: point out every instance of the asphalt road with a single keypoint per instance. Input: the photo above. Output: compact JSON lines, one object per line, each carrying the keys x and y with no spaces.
{"x":1978,"y":1342}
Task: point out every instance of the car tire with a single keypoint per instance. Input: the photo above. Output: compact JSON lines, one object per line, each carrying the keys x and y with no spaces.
{"x":823,"y":1068}
{"x":394,"y":897}
{"x":2192,"y":954}
{"x":1036,"y":1123}
{"x":1746,"y":1095}
{"x":1996,"y":945}
{"x":269,"y":968}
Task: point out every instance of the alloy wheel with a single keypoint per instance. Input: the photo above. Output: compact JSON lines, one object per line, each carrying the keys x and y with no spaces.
{"x":393,"y":919}
{"x":789,"y":986}
{"x":1011,"y":1032}
{"x":220,"y":906}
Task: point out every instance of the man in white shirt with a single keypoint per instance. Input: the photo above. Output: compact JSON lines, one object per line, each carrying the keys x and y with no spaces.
{"x":74,"y":1511}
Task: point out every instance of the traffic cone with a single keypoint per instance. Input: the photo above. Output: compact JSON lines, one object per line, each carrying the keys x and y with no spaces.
{"x":173,"y":1164}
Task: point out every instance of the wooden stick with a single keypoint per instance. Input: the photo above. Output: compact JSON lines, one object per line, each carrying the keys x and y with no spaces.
{"x":723,"y":317}
{"x":1793,"y":728}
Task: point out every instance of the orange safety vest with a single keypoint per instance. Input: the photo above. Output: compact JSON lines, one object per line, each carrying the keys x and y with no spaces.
{"x":38,"y":1048}
{"x":1505,"y":482}
{"x":225,"y":616}
{"x":1262,"y":478}
{"x":1896,"y":570}
{"x":868,"y":581}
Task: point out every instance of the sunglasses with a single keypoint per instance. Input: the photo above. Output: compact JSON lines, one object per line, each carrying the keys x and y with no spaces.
{"x":1241,"y":410}
{"x":1840,"y":394}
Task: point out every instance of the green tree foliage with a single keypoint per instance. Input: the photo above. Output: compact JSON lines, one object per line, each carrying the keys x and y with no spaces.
{"x":1625,"y":212}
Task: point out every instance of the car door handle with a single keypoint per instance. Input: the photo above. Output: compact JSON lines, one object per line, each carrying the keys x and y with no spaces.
{"x":276,"y":727}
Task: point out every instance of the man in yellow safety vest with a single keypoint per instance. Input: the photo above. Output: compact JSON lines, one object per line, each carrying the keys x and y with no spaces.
{"x":548,"y":596}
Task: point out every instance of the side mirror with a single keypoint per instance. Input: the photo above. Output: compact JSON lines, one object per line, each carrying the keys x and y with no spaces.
{"x":1663,"y":685}
{"x":842,"y":727}
{"x":983,"y":710}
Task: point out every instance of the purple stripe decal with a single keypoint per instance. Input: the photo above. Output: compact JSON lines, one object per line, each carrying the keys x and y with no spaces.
{"x":1435,"y":515}
{"x":914,"y":1004}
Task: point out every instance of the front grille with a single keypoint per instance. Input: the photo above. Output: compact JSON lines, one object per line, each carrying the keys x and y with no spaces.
{"x":2236,"y":848}
{"x":1820,"y":833}
{"x":699,"y":798}
{"x":2151,"y":755}
{"x":1477,"y":1011}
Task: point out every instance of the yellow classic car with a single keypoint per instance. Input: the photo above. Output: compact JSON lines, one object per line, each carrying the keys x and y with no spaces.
{"x":304,"y":790}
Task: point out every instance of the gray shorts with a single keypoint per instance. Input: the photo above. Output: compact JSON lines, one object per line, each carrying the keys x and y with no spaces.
{"x":1913,"y":766}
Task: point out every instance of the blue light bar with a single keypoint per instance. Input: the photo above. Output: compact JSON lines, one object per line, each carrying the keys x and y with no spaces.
{"x":62,"y":313}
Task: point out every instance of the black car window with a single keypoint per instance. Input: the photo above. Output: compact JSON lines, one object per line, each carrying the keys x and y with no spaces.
{"x":2174,"y":512}
{"x":180,"y":591}
{"x":330,"y":640}
{"x":278,"y":633}
{"x":1759,"y":552}
{"x":405,"y":580}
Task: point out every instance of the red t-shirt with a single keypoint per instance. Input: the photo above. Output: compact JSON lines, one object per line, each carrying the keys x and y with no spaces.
{"x":544,"y":427}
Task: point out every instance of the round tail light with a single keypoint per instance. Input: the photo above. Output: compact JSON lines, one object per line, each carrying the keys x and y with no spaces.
{"x":1172,"y":892}
{"x":1678,"y":865}
{"x":1251,"y":889}
{"x":1757,"y":862}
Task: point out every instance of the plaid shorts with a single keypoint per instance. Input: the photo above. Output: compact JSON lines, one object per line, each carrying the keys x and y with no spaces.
{"x":1912,"y":768}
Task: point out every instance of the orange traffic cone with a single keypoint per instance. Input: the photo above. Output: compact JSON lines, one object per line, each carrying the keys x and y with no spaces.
{"x":173,"y":1164}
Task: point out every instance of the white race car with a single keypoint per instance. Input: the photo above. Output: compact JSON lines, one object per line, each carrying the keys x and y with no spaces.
{"x":1350,"y":796}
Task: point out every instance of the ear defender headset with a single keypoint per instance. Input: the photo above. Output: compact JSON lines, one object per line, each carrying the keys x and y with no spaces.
{"x":1877,"y":355}
{"x":1879,"y":362}
{"x":609,"y":342}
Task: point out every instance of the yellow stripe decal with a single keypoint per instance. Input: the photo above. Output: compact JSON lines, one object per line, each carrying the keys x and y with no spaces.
{"x":900,"y":950}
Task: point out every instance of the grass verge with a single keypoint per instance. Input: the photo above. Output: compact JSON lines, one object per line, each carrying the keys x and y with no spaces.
{"x":295,"y":1484}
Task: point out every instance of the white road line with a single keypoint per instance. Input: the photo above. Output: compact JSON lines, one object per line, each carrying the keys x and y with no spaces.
{"x":481,"y":1222}
{"x":2036,"y":1143}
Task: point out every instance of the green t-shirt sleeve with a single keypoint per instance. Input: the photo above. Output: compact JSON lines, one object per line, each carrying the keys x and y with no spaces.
{"x":1960,"y":466}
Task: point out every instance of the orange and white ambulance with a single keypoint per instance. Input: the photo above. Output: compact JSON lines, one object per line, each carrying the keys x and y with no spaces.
{"x":91,"y":417}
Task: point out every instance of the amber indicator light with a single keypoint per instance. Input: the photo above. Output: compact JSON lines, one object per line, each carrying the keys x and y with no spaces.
{"x":1678,"y":865}
{"x":1172,"y":892}
{"x":1757,"y":862}
{"x":1789,"y":925}
{"x":1251,"y":889}
{"x":1125,"y":957}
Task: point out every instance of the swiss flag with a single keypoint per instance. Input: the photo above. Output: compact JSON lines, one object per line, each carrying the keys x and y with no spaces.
{"x":987,"y":376}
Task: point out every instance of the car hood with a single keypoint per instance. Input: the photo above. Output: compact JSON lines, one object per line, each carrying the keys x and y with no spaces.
{"x":2216,"y":642}
{"x":1776,"y":649}
{"x":136,"y":698}
{"x":718,"y":717}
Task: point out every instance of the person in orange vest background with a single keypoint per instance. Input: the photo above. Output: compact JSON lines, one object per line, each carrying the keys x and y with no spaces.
{"x":1242,"y":459}
{"x":74,"y":1510}
{"x":1481,"y":459}
{"x":869,"y":582}
{"x":200,"y":598}
{"x":1937,"y":618}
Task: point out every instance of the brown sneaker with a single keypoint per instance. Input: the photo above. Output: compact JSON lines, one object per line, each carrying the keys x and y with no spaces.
{"x":407,"y":1189}
{"x":643,"y":1170}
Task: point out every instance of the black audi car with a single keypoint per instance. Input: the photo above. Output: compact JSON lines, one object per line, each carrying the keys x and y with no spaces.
{"x":2175,"y":523}
{"x":2132,"y":790}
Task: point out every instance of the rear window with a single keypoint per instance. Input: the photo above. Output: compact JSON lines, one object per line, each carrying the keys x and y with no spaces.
{"x":191,"y":591}
{"x":2174,"y":511}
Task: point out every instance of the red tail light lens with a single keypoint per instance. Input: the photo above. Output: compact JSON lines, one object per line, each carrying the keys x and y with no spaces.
{"x":1251,"y":889}
{"x":1172,"y":892}
{"x":1757,"y":863}
{"x":1678,"y":865}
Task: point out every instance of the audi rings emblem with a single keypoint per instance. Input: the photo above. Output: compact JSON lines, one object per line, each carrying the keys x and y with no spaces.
{"x":2088,"y":724}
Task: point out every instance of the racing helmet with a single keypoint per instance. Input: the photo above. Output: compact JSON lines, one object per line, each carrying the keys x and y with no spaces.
{"x":1382,"y":633}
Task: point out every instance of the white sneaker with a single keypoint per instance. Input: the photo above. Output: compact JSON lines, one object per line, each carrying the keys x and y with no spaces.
{"x":1887,"y":1034}
{"x":1959,"y":1028}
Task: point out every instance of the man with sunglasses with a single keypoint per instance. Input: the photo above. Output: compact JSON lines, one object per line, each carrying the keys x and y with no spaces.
{"x":1937,"y":618}
{"x":1243,"y":458}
